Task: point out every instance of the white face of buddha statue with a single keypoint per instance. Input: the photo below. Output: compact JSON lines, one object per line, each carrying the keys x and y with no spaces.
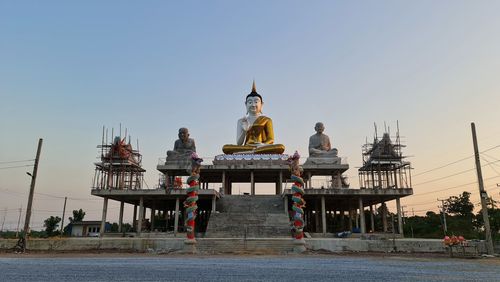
{"x":254,"y":105}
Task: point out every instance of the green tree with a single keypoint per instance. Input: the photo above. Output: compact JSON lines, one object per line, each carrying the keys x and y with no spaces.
{"x":494,"y":216}
{"x":51,"y":225}
{"x":428,"y":226}
{"x":459,"y":205}
{"x":460,"y":219}
{"x":78,"y":216}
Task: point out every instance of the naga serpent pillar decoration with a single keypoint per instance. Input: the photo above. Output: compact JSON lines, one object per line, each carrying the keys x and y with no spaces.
{"x":190,"y":204}
{"x":298,"y":202}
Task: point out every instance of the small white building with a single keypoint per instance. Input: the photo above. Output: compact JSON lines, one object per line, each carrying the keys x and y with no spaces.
{"x":88,"y":228}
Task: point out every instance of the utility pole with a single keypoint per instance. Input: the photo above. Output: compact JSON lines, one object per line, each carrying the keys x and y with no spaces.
{"x":21,"y":244}
{"x":62,"y":218}
{"x":3,"y":220}
{"x":443,"y":212}
{"x":482,"y":193}
{"x":411,"y":224}
{"x":403,"y":213}
{"x":18,"y":221}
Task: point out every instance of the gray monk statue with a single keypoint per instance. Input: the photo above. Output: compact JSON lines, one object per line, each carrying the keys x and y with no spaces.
{"x":183,"y":147}
{"x":319,"y":144}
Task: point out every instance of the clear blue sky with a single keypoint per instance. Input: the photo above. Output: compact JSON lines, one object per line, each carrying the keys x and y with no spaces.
{"x":67,"y":69}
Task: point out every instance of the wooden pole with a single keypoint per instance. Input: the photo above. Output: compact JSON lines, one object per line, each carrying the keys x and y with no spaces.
{"x":482,"y":193}
{"x":30,"y":197}
{"x":62,"y":218}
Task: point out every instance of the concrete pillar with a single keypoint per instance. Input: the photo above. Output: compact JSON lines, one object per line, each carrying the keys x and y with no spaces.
{"x":342,"y":215}
{"x":141,"y":215}
{"x":120,"y":219}
{"x":309,"y":180}
{"x":224,"y":188}
{"x":356,"y":217}
{"x":252,"y":183}
{"x":323,"y":214}
{"x":279,"y":183}
{"x":176,"y":217}
{"x":165,"y":214}
{"x":167,"y":181}
{"x":153,"y":213}
{"x":339,"y":180}
{"x":134,"y":220}
{"x":350,"y":219}
{"x":286,"y":204}
{"x":317,"y":209}
{"x":400,"y":219}
{"x":395,"y":179}
{"x":103,"y":220}
{"x":372,"y":219}
{"x":362,"y":216}
{"x":384,"y":216}
{"x":214,"y":199}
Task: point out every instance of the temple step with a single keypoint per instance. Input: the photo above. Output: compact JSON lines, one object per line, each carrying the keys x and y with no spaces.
{"x":249,"y":217}
{"x":271,"y":246}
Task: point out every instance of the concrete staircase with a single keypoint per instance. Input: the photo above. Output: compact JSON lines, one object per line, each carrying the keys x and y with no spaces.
{"x":262,"y":246}
{"x":259,"y":216}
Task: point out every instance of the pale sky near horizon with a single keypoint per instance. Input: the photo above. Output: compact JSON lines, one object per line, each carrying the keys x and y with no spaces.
{"x":67,"y":69}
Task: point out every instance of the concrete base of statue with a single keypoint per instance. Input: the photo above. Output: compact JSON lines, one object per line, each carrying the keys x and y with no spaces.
{"x":322,"y":160}
{"x":299,"y":246}
{"x":241,"y":159}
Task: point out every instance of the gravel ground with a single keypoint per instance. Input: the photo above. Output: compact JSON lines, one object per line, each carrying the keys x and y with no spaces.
{"x":137,"y":267}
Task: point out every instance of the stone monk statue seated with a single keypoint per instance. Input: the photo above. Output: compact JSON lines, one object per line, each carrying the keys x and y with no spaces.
{"x":183,"y":147}
{"x":319,"y":144}
{"x":255,"y":133}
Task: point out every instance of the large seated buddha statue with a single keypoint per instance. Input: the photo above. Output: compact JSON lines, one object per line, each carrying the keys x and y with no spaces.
{"x":255,"y":133}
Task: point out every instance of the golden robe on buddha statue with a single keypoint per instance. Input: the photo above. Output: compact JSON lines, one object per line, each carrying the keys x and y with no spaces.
{"x":255,"y":133}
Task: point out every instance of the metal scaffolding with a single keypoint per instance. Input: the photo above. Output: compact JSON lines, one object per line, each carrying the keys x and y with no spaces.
{"x":384,"y":165}
{"x":120,"y":166}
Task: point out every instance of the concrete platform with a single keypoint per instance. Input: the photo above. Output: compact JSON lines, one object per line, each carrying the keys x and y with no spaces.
{"x":234,"y":245}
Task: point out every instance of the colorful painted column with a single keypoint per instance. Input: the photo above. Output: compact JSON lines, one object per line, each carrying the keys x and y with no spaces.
{"x":298,"y":203}
{"x":190,"y":204}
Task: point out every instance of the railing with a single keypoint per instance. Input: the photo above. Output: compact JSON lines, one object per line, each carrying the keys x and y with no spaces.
{"x":210,"y":160}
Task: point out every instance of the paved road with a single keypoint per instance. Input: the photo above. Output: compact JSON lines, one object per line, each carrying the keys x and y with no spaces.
{"x":308,"y":268}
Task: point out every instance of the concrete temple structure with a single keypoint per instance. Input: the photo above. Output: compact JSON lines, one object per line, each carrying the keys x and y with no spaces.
{"x":333,"y":207}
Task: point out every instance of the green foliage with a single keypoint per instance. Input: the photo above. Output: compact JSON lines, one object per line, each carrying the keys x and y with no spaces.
{"x":8,"y":234}
{"x":494,"y":216}
{"x":461,"y":205}
{"x":51,"y":225}
{"x":78,"y":216}
{"x":428,"y":226}
{"x":459,"y":218}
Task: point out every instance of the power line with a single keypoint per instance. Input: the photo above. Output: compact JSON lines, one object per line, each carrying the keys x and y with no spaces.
{"x":20,"y":161}
{"x":444,"y":177}
{"x":453,"y":187}
{"x":443,"y":166}
{"x":454,"y":162}
{"x":455,"y":174}
{"x":491,"y":165}
{"x":18,"y":166}
{"x":49,"y":195}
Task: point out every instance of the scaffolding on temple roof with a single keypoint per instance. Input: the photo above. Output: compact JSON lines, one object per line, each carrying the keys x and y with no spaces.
{"x":384,"y":165}
{"x":120,"y":165}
